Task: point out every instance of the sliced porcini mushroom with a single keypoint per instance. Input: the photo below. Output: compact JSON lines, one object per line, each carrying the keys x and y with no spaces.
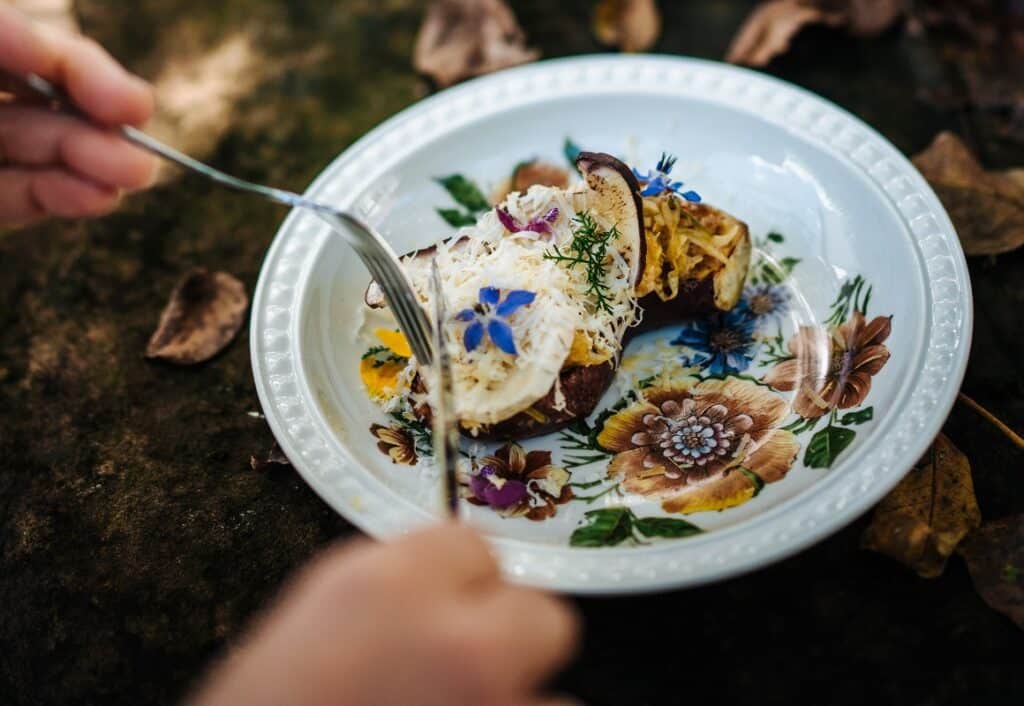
{"x":617,"y":197}
{"x":205,"y":312}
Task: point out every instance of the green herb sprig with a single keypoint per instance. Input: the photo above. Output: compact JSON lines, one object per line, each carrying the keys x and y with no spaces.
{"x":589,"y":248}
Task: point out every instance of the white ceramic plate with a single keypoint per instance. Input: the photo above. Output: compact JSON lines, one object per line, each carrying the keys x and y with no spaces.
{"x":860,"y":231}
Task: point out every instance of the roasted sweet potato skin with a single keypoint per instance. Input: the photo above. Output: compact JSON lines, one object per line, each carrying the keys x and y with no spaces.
{"x":707,"y":293}
{"x":582,"y":388}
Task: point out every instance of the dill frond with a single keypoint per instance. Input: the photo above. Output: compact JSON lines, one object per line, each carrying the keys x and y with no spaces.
{"x":589,"y":248}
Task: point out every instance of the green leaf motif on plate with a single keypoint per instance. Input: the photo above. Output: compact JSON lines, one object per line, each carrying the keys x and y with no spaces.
{"x":666,"y":527}
{"x":753,"y":478}
{"x":604,"y":528}
{"x":456,"y":218}
{"x":826,"y":445}
{"x":858,"y":417}
{"x":571,"y":151}
{"x":465,"y":192}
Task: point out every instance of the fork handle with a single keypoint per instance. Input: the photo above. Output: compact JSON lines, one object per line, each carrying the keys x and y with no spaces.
{"x":371,"y":247}
{"x":60,"y":101}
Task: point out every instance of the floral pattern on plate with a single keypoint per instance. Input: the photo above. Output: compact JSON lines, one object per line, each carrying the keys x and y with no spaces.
{"x":715,"y":409}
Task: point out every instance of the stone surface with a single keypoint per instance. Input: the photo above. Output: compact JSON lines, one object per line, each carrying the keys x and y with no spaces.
{"x":135,"y":539}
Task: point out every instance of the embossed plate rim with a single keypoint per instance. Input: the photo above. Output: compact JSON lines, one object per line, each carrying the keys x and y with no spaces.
{"x":795,"y":524}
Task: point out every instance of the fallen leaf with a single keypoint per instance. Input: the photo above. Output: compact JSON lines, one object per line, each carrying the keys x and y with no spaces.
{"x":769,"y":29}
{"x":464,"y":38}
{"x":630,"y":25}
{"x":995,"y":557}
{"x":273,"y":460}
{"x":923,"y":519}
{"x":204,"y":314}
{"x":987,"y":207}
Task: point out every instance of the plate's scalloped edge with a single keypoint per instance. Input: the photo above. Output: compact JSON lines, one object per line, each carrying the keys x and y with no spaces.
{"x":286,"y":402}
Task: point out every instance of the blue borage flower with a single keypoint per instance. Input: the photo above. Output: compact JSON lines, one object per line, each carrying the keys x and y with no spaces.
{"x":658,"y":181}
{"x":720,"y":344}
{"x":764,"y":302}
{"x":490,"y":317}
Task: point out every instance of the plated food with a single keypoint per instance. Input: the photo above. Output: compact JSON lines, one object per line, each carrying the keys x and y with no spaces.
{"x":793,"y":355}
{"x":550,"y":283}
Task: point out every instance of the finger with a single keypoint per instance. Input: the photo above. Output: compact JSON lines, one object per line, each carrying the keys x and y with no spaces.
{"x":95,"y":81}
{"x":18,"y":205}
{"x":37,"y":137}
{"x":25,"y":50}
{"x":539,"y":629}
{"x":28,"y":195}
{"x":451,"y":552}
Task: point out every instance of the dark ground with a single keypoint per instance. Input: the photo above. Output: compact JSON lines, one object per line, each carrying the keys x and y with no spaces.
{"x":135,"y":541}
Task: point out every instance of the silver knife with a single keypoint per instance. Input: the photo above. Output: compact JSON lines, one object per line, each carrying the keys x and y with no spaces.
{"x":446,"y":433}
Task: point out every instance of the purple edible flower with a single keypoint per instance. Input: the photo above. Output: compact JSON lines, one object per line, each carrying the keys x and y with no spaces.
{"x":541,"y":224}
{"x":489,"y":488}
{"x":658,"y":181}
{"x":490,"y":316}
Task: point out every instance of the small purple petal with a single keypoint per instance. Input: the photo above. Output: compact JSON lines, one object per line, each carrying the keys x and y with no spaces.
{"x":510,"y":223}
{"x":465,"y":315}
{"x":511,"y":493}
{"x":489,"y":295}
{"x":551,"y":216}
{"x":501,"y":334}
{"x":478,"y":484}
{"x":473,"y":335}
{"x":514,"y":300}
{"x":691,"y":196}
{"x":538,"y":225}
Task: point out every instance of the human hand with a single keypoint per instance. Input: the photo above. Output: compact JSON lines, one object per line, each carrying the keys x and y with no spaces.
{"x":57,"y":165}
{"x":425,"y":621}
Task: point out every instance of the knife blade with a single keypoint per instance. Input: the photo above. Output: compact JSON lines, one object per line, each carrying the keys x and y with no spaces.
{"x":446,"y":433}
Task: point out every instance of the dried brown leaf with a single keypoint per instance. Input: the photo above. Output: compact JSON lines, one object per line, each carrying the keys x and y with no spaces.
{"x":995,"y":557}
{"x":204,"y":314}
{"x":630,"y":25}
{"x":924,"y":518}
{"x":464,"y":38}
{"x":987,"y":207}
{"x":769,"y":29}
{"x":273,"y":460}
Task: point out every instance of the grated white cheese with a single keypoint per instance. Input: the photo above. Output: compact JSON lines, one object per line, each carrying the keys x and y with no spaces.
{"x":491,"y":385}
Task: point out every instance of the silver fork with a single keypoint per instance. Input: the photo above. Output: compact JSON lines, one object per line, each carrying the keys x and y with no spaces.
{"x":372,"y":249}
